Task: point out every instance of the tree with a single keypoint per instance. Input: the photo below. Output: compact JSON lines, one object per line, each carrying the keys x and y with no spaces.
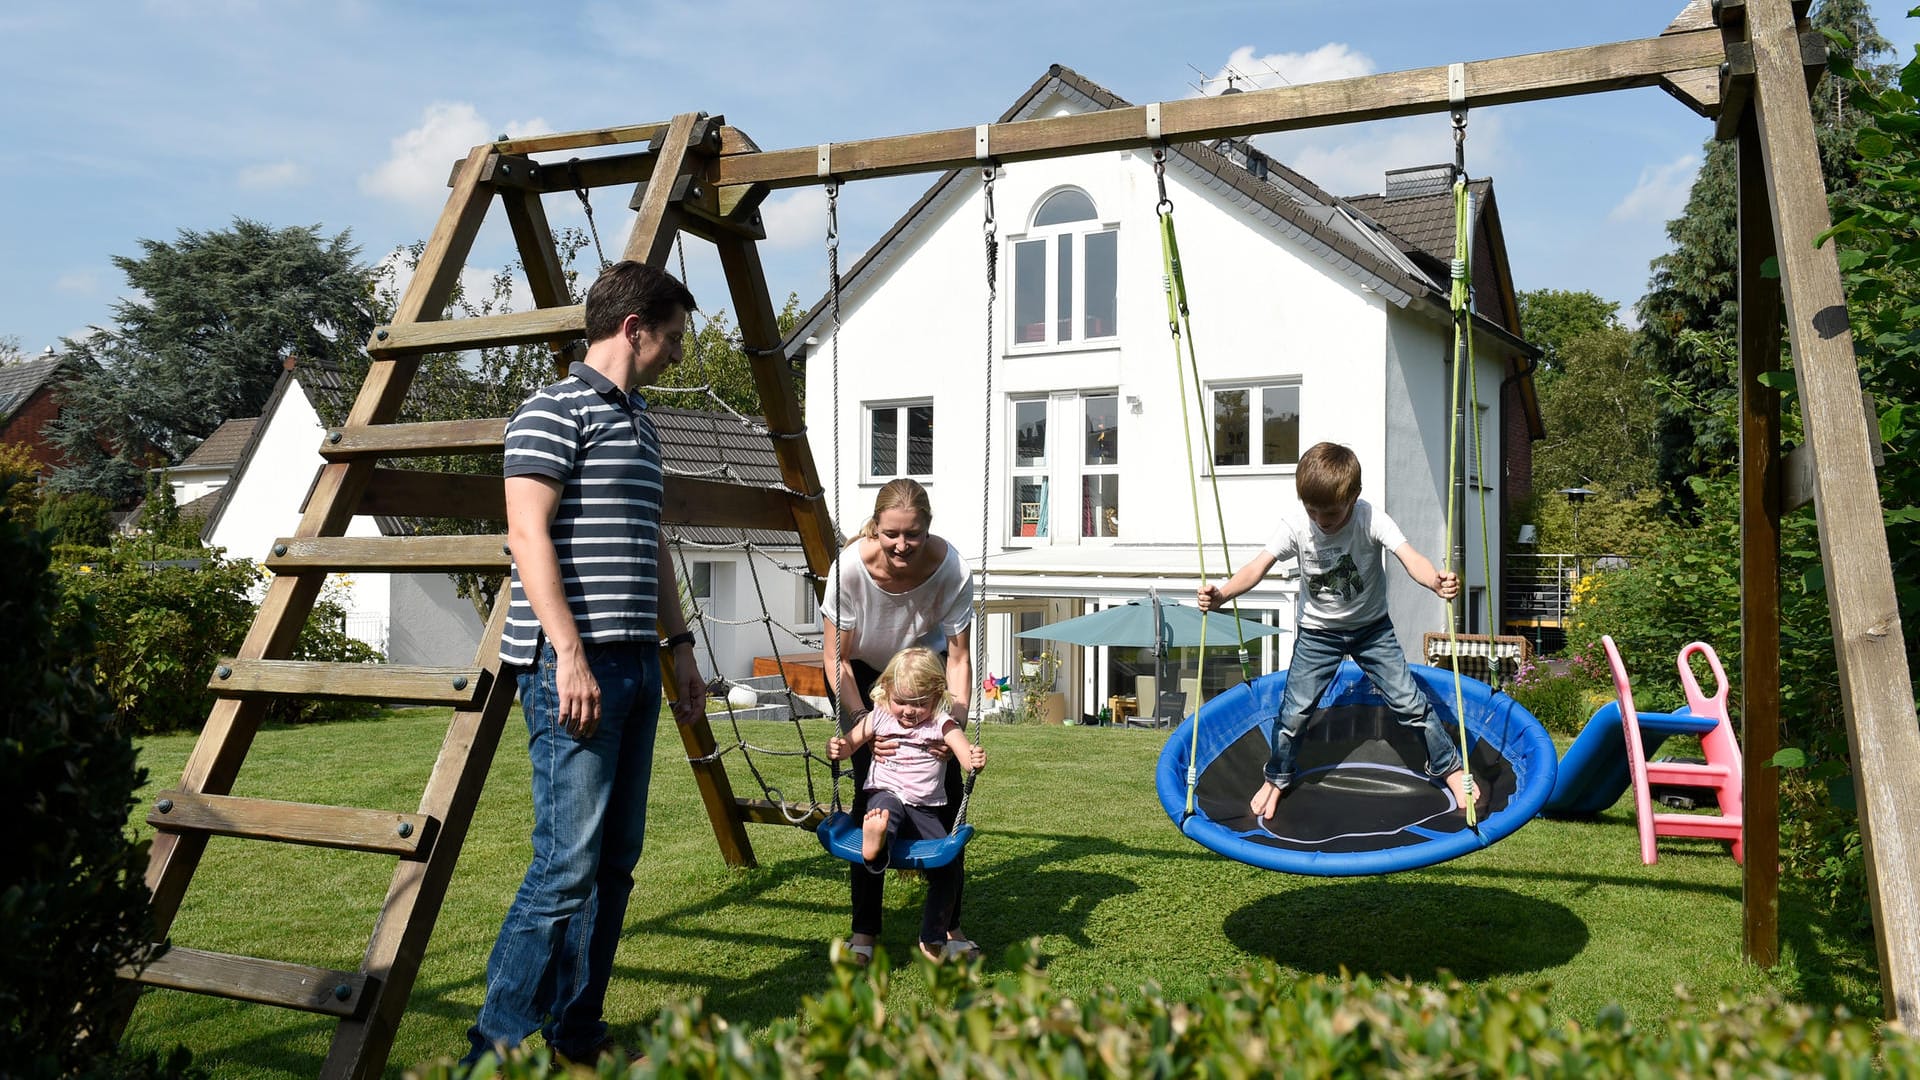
{"x":1599,"y":417}
{"x":1553,"y":318}
{"x":217,"y":314}
{"x":1692,"y":289}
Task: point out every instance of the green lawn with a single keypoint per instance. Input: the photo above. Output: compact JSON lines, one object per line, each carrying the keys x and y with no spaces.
{"x":1072,"y":848}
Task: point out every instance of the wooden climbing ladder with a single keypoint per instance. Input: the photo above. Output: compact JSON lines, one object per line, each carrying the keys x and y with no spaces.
{"x":426,"y":842}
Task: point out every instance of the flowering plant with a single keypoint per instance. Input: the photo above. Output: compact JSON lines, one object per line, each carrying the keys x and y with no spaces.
{"x":1036,"y":682}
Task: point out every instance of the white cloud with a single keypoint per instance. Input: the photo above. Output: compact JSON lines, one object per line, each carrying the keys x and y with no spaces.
{"x":1661,"y":193}
{"x":1355,"y":159}
{"x":795,"y":218}
{"x":79,"y":283}
{"x":279,"y":174}
{"x":421,"y":159}
{"x":1333,"y":60}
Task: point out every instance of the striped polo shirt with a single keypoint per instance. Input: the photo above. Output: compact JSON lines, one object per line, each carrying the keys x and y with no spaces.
{"x":599,"y":442}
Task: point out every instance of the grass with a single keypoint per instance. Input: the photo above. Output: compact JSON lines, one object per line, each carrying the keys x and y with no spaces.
{"x":1072,"y":848}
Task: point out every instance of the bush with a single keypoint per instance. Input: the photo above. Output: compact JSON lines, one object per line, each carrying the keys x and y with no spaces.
{"x":175,"y":622}
{"x":79,"y":518}
{"x":1262,"y":1024}
{"x":1562,"y":696}
{"x":74,"y":906}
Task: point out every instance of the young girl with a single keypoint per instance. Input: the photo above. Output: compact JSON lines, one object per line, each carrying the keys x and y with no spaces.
{"x":904,"y":790}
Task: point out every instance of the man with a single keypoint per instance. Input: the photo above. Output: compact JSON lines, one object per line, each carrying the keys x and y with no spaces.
{"x":593,"y":587}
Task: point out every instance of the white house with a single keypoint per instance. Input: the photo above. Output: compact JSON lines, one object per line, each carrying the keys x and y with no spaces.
{"x":250,"y":480}
{"x":1326,"y":318}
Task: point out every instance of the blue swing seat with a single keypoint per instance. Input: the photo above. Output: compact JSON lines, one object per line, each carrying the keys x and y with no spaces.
{"x":840,"y":835}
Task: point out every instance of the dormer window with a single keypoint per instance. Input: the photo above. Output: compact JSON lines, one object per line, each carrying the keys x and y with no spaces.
{"x":1065,"y":274}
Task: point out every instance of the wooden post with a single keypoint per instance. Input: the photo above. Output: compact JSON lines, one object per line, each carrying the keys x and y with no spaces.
{"x":1875,"y":685}
{"x":1759,"y":560}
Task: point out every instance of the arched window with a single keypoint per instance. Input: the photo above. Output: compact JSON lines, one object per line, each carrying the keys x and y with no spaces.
{"x":1065,"y":274}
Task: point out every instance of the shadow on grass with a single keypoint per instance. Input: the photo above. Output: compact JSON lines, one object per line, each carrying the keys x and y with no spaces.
{"x":1415,"y":930}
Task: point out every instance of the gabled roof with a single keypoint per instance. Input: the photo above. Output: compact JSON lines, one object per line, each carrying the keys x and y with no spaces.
{"x":225,"y":447}
{"x":20,"y":381}
{"x":705,"y":444}
{"x":1328,"y":227}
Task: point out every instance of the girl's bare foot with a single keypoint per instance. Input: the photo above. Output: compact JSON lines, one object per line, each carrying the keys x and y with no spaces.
{"x":1266,"y":801}
{"x":873,"y":834}
{"x":1457,"y":783}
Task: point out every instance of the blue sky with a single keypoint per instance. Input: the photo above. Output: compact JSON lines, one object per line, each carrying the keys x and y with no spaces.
{"x":138,"y":119}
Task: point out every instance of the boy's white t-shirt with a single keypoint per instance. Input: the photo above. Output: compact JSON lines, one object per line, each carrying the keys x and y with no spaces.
{"x":1342,"y":576}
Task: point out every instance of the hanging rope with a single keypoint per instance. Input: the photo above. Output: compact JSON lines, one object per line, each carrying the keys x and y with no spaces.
{"x":580,"y":192}
{"x":1179,"y":319}
{"x":975,"y":698}
{"x":1461,"y":302}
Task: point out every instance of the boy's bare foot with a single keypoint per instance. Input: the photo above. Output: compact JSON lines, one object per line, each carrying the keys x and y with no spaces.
{"x":873,"y":834}
{"x":1457,"y":783}
{"x":1266,"y":801}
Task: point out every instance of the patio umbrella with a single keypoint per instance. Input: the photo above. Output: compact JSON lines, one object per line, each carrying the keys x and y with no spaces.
{"x":1153,"y":624}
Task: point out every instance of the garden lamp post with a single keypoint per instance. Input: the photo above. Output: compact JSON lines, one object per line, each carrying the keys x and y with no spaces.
{"x":1576,"y":496}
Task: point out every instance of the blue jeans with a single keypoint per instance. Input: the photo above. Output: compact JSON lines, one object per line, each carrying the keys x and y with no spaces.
{"x":1317,"y":653}
{"x":551,"y":964}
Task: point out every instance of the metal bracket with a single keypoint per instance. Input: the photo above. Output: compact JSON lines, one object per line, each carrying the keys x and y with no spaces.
{"x":1153,"y":121}
{"x":981,"y":138}
{"x":823,"y":165}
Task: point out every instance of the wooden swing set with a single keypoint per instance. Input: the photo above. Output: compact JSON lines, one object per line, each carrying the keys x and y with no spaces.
{"x":1747,"y":65}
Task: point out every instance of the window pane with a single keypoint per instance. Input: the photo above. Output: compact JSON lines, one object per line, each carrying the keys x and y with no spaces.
{"x":1100,"y":505}
{"x":1103,"y":430}
{"x":1063,"y":290}
{"x":1064,"y":206}
{"x":1030,"y":291}
{"x":1103,"y":276}
{"x":1030,"y":506}
{"x":920,"y":440}
{"x":886,"y":437}
{"x":1280,"y":425}
{"x":1230,"y":427}
{"x":1029,"y":434}
{"x":700,"y":580}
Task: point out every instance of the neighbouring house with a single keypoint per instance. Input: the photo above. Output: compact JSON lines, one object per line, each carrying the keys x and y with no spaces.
{"x":1314,"y":318}
{"x":29,"y":400}
{"x":249,"y":483}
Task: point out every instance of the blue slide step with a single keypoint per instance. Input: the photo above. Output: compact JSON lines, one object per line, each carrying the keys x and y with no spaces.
{"x":1593,"y":773}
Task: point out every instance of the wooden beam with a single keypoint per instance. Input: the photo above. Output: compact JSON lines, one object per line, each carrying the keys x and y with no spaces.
{"x":689,"y":140}
{"x":688,"y":501}
{"x":245,"y":978}
{"x":478,"y":331}
{"x":1875,"y":684}
{"x":423,"y":494}
{"x":1796,"y":473}
{"x":389,"y":554}
{"x":482,"y":436}
{"x":766,"y":812}
{"x":398,"y":944}
{"x":731,"y":140}
{"x":1759,"y":336}
{"x":457,"y":686}
{"x":546,"y":277}
{"x":379,"y":831}
{"x":1533,"y":77}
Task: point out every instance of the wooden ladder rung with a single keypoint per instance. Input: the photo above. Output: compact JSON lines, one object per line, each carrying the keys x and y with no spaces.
{"x":380,"y":831}
{"x":459,"y":687}
{"x":453,"y":335}
{"x":415,"y":440}
{"x":767,"y":812}
{"x":390,"y":554}
{"x":268,"y":982}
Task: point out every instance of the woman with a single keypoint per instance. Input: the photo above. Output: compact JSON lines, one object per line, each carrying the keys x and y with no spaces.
{"x":895,"y":585}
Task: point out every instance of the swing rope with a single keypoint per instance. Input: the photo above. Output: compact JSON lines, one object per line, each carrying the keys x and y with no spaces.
{"x":1461,"y":302}
{"x":976,"y":700}
{"x":1179,"y":319}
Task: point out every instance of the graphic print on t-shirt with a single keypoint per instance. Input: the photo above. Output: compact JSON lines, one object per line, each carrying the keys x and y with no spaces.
{"x":1334,"y":578}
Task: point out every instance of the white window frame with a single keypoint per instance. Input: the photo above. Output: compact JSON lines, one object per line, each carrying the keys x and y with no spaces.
{"x":1075,"y":234}
{"x":1255,"y":389}
{"x":1061,"y":522}
{"x":900,"y":409}
{"x":1086,"y":469}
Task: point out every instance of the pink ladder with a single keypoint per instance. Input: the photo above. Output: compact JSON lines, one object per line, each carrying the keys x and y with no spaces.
{"x":1721,"y":772}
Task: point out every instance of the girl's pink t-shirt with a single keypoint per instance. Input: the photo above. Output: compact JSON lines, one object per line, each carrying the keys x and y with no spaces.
{"x":916,"y":770}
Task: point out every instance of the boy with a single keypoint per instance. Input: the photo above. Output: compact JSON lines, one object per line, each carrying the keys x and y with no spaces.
{"x":1339,"y":540}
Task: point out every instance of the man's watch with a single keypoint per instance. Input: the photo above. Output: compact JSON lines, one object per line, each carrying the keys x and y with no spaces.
{"x":674,"y":641}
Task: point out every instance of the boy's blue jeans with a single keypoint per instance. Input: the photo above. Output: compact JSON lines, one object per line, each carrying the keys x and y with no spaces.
{"x":551,"y":964}
{"x":1317,"y":653}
